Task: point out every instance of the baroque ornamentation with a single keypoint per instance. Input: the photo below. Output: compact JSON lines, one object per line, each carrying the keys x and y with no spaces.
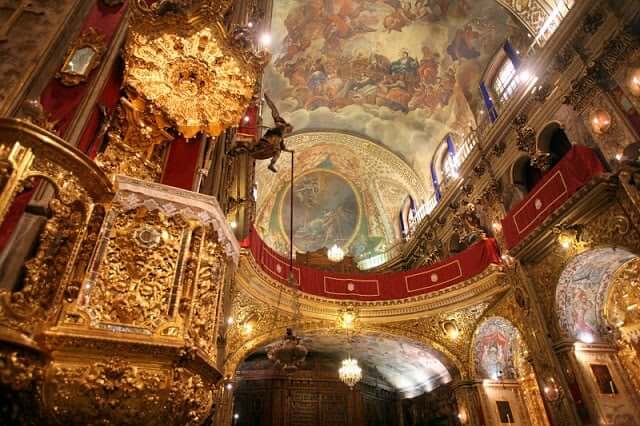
{"x":193,"y":74}
{"x":111,"y":389}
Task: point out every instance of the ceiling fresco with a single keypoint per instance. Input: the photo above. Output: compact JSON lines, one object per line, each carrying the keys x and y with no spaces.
{"x":407,"y":366}
{"x":348,"y":192}
{"x":403,"y":73}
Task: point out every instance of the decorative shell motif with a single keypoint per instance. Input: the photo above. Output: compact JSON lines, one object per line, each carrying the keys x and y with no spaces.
{"x":192,"y":74}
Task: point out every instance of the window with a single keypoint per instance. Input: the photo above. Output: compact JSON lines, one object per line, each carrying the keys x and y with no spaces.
{"x":505,"y":83}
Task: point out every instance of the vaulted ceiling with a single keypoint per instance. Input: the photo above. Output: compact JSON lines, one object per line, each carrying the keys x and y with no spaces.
{"x":409,"y":367}
{"x":402,"y":73}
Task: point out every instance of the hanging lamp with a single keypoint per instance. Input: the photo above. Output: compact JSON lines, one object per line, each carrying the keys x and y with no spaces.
{"x":290,"y":353}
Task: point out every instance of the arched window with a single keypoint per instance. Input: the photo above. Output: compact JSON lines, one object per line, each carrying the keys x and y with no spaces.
{"x":407,"y":212}
{"x":505,"y":82}
{"x":443,"y":165}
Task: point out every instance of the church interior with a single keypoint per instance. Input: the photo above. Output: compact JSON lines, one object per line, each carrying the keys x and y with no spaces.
{"x":320,"y":212}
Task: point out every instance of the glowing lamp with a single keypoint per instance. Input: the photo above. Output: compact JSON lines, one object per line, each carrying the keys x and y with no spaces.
{"x":451,"y":329}
{"x":600,"y":121}
{"x":551,"y":389}
{"x":247,"y":328}
{"x":335,"y":254}
{"x":634,"y":81}
{"x":265,"y":39}
{"x":585,"y":337}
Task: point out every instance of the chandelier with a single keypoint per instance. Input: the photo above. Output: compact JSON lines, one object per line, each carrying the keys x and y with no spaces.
{"x":335,"y":254}
{"x":350,"y":373}
{"x":290,"y":353}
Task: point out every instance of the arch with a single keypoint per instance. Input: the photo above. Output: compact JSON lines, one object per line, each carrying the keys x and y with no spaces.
{"x":407,"y":211}
{"x":455,"y":367}
{"x":554,"y":140}
{"x":582,"y":290}
{"x":523,"y":175}
{"x":494,"y":349}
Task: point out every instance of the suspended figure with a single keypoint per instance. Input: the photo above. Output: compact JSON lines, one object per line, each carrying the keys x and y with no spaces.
{"x":271,"y":144}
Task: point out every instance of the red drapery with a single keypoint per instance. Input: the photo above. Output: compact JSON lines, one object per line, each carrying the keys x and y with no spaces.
{"x":575,"y":169}
{"x":379,"y":286}
{"x":61,"y":101}
{"x":182,"y":162}
{"x":249,"y":124}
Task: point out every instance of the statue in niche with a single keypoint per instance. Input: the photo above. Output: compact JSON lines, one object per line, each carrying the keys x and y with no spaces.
{"x":271,"y":144}
{"x":469,"y":226}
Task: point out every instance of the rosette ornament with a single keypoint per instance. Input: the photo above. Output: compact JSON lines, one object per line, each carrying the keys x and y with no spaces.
{"x":180,"y":60}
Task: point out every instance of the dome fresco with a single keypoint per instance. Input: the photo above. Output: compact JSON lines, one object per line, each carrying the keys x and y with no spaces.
{"x":403,"y":73}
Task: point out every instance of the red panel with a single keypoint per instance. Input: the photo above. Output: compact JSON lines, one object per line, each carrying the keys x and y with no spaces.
{"x":387,"y":286}
{"x":62,"y":101}
{"x":577,"y":168}
{"x":180,"y":169}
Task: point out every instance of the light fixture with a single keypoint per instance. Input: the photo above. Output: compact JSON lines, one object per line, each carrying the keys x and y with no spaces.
{"x":246,"y":118}
{"x":565,"y":241}
{"x":350,"y":373}
{"x":247,"y":328}
{"x":335,"y":254}
{"x":618,"y":156}
{"x":586,"y":337}
{"x":451,"y":329}
{"x":236,"y":416}
{"x":288,"y":353}
{"x":347,"y":318}
{"x":497,"y":226}
{"x":568,"y":236}
{"x":600,"y":121}
{"x":462,"y":416}
{"x":525,"y":76}
{"x":233,"y":224}
{"x":265,"y":39}
{"x":551,"y":389}
{"x":229,"y":386}
{"x":230,"y":320}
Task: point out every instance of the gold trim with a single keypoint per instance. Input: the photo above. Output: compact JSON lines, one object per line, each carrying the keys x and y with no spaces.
{"x":45,"y":144}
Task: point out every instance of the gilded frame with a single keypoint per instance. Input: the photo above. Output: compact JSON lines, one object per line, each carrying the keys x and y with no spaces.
{"x":91,"y":39}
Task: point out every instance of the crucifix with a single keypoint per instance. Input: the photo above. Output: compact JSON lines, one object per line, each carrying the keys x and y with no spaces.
{"x":24,"y":6}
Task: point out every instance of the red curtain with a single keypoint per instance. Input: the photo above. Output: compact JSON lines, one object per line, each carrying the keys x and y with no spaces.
{"x":13,"y":216}
{"x":180,"y":170}
{"x":379,"y":286}
{"x":61,"y":101}
{"x":575,"y":169}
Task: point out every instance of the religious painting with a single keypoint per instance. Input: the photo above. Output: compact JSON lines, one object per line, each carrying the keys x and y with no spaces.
{"x":603,"y":378}
{"x":582,"y":288}
{"x":404,"y":73}
{"x":504,"y":411}
{"x":327,"y":211}
{"x":364,"y":185}
{"x":494,"y":345}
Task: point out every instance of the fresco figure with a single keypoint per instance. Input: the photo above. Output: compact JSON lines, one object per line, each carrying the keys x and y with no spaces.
{"x":405,"y":65}
{"x":493,"y":349}
{"x":462,"y":46}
